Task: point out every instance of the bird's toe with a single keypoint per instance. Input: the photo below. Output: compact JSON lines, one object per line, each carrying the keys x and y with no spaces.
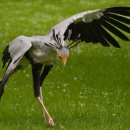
{"x":51,"y":122}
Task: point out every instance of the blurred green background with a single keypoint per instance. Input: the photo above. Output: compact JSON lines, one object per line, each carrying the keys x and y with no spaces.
{"x":91,"y":93}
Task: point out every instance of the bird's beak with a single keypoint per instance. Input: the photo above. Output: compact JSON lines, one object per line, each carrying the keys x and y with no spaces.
{"x":64,"y":60}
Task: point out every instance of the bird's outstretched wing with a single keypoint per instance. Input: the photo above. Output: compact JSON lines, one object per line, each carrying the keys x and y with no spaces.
{"x":16,"y":49}
{"x":96,"y":26}
{"x":12,"y":55}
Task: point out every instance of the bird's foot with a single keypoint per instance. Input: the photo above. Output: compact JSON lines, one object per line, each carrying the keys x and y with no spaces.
{"x":50,"y":121}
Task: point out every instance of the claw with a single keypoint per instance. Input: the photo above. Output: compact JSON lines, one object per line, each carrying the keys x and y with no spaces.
{"x":51,"y":122}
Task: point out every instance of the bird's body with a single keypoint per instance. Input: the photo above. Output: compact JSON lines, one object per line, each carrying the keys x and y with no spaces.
{"x":43,"y":55}
{"x":38,"y":53}
{"x":42,"y":52}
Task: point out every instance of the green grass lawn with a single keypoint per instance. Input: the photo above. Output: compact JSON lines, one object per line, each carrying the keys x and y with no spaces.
{"x":91,"y":93}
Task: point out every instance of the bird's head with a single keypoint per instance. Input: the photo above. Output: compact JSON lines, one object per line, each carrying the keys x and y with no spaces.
{"x":63,"y":54}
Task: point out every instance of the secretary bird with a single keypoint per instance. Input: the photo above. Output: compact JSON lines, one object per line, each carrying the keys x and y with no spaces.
{"x":95,"y":26}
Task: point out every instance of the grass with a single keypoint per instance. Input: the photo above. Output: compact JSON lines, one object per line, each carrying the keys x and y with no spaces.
{"x":91,"y":93}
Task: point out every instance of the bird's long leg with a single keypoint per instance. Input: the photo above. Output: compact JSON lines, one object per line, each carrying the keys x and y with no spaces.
{"x":41,"y":93}
{"x":36,"y":71}
{"x":47,"y":116}
{"x":45,"y":72}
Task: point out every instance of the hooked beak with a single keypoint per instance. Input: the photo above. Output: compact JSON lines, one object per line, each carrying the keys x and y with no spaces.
{"x":64,"y":60}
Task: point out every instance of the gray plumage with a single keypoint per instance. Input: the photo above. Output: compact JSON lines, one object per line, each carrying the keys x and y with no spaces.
{"x":95,"y":26}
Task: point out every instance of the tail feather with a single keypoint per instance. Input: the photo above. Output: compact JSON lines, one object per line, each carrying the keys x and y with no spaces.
{"x":6,"y":56}
{"x":1,"y":92}
{"x":4,"y":80}
{"x":2,"y":84}
{"x":10,"y":70}
{"x":5,"y":59}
